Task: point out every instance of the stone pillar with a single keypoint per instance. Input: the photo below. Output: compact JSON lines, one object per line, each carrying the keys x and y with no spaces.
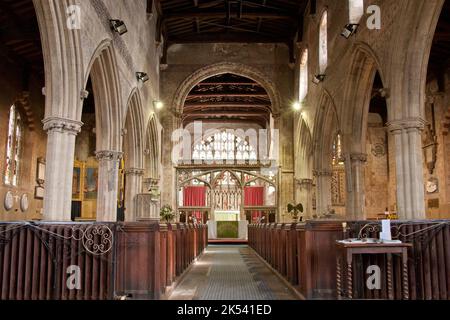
{"x":303,"y":195}
{"x":59,"y":167}
{"x":133,"y":178}
{"x":323,"y":195}
{"x":409,"y":167}
{"x":108,"y":178}
{"x":355,"y":187}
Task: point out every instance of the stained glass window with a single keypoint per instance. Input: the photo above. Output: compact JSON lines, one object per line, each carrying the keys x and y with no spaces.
{"x":13,"y":147}
{"x":224,"y":146}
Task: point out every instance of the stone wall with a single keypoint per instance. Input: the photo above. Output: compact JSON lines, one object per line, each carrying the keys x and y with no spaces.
{"x":33,"y":141}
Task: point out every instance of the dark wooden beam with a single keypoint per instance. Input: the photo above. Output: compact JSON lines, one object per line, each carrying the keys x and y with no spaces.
{"x":210,"y":84}
{"x":227,"y":95}
{"x":232,"y":37}
{"x":203,"y":106}
{"x":221,"y":14}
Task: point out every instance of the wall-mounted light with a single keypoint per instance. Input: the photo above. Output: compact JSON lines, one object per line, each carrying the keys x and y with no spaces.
{"x":158,"y":104}
{"x":142,"y":76}
{"x":118,"y":26}
{"x":318,"y":78}
{"x":349,"y":30}
{"x":297,"y":106}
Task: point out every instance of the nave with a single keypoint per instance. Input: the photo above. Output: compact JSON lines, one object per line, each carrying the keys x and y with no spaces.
{"x":231,"y":272}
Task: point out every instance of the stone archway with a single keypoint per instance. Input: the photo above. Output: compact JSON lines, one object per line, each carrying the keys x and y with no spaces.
{"x":303,"y":167}
{"x":62,"y":57}
{"x":221,"y":68}
{"x":133,"y":153}
{"x":326,"y":126}
{"x":109,"y":119}
{"x":357,"y":97}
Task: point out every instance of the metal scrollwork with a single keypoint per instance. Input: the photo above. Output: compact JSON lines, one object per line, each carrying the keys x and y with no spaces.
{"x":97,"y":239}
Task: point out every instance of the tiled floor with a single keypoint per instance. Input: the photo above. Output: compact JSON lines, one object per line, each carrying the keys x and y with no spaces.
{"x":231,"y":273}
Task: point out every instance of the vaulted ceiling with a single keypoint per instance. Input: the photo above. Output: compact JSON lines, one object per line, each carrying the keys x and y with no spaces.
{"x":227,"y":98}
{"x":247,"y":21}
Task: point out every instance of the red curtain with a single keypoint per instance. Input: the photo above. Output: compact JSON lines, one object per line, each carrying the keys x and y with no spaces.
{"x":254,"y":196}
{"x":194,"y":196}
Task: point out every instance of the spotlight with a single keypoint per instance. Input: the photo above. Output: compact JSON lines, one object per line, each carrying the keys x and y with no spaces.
{"x":297,"y":106}
{"x":318,"y":78}
{"x":349,"y":30}
{"x":118,"y":26}
{"x":142,"y":76}
{"x":158,"y":104}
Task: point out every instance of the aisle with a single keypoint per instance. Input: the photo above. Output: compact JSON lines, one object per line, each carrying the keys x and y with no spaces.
{"x":231,"y":273}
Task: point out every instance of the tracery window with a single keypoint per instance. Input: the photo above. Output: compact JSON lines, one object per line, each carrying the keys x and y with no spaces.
{"x":303,"y":80}
{"x":224,"y":146}
{"x":13,"y":147}
{"x":323,"y":43}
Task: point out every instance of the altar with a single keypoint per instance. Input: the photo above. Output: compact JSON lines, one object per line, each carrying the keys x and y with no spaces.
{"x":228,"y":229}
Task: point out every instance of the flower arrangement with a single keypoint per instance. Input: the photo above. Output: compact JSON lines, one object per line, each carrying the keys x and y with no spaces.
{"x":167,"y":213}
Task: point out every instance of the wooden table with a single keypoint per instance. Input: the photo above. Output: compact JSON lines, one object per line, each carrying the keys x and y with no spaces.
{"x":345,"y":252}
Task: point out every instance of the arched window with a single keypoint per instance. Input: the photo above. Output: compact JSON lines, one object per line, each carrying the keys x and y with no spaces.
{"x":356,"y":10}
{"x":13,"y":147}
{"x":323,"y":43}
{"x":303,"y":80}
{"x":224,"y":146}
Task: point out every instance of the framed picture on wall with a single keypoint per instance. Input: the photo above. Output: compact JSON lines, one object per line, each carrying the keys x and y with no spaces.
{"x":39,"y":192}
{"x":40,"y":171}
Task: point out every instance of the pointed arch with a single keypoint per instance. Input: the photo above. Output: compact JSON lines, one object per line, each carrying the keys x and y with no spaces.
{"x":134,"y":132}
{"x":107,"y":93}
{"x":152,"y":150}
{"x":222,"y":68}
{"x":357,"y":96}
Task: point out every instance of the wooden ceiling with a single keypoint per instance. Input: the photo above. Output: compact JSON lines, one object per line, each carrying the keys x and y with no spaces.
{"x":223,"y":21}
{"x":440,"y":50}
{"x":227,"y":98}
{"x":20,"y":41}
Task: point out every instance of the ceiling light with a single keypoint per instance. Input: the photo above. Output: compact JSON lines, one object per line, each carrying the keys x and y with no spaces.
{"x":318,"y":78}
{"x":158,"y":105}
{"x":118,"y":26}
{"x":142,"y":76}
{"x":297,"y":106}
{"x":349,"y":30}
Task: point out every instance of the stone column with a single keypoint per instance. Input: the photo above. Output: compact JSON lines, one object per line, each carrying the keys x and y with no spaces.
{"x":303,"y":195}
{"x":133,"y":178}
{"x":59,"y":167}
{"x":323,"y":195}
{"x":108,"y":178}
{"x":409,"y":167}
{"x":355,"y":187}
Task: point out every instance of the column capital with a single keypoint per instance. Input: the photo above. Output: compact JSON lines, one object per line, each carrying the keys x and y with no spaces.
{"x":361,"y":157}
{"x":108,"y":155}
{"x":62,"y":125}
{"x":134,"y":172}
{"x":323,"y":173}
{"x":303,"y":182}
{"x":406,"y":124}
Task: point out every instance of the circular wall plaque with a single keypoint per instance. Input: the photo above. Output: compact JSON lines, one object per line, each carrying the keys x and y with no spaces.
{"x":9,"y":201}
{"x":24,"y":203}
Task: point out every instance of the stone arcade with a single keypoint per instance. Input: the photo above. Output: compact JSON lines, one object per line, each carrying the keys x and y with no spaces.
{"x":100,"y":101}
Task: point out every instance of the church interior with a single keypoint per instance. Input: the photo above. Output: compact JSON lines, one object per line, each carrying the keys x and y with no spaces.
{"x":161,"y":149}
